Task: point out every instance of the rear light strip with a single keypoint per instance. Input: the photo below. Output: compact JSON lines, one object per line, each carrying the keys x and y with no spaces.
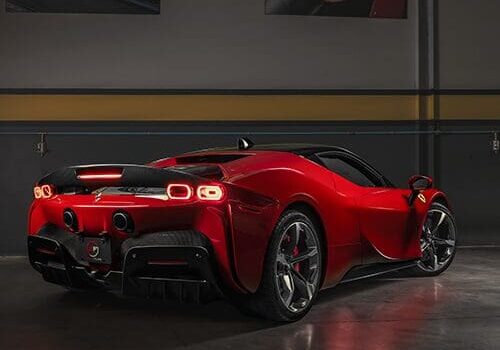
{"x":168,"y":262}
{"x":99,"y":176}
{"x":46,"y":251}
{"x":175,"y":191}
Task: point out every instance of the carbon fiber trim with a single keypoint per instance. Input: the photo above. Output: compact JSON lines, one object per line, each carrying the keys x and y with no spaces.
{"x":70,"y":241}
{"x":191,"y":276}
{"x":183,"y":238}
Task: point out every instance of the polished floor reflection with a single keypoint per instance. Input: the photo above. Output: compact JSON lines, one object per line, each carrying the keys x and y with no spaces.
{"x":458,"y":310}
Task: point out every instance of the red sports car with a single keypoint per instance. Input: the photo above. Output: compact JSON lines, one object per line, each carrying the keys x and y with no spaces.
{"x":265,"y":226}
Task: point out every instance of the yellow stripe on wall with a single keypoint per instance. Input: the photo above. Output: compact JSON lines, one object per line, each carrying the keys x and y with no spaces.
{"x":469,"y":107}
{"x":206,"y":107}
{"x":244,"y":107}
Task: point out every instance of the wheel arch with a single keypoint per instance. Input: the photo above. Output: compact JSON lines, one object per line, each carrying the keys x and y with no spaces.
{"x":309,"y":210}
{"x":440,"y":197}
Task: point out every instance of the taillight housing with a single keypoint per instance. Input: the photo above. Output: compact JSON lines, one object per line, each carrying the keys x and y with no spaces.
{"x":184,"y":192}
{"x":179,"y":192}
{"x":44,"y":191}
{"x":210,"y":192}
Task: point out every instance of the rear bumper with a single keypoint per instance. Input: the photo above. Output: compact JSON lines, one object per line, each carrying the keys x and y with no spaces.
{"x":169,"y":265}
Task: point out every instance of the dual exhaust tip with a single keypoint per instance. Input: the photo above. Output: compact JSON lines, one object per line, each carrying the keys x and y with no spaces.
{"x":122,"y":221}
{"x":70,"y":219}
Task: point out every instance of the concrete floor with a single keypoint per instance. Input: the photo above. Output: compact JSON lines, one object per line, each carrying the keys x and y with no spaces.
{"x":458,"y":310}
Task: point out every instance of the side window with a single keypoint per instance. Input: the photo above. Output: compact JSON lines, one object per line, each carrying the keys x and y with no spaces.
{"x":349,"y":170}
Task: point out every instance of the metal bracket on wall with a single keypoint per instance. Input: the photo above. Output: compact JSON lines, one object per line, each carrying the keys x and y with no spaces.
{"x":495,"y":143}
{"x":41,"y":147}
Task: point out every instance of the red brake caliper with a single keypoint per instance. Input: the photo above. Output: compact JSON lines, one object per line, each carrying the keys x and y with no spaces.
{"x":296,"y":253}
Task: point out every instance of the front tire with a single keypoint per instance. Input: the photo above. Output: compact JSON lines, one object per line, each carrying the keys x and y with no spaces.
{"x":438,"y":242}
{"x":292,"y":270}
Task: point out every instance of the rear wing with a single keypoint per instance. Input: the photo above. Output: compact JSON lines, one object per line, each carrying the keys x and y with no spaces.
{"x":85,"y":178}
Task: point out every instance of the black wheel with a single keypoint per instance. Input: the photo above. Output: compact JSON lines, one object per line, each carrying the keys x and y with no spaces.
{"x":292,"y":270}
{"x":438,"y":242}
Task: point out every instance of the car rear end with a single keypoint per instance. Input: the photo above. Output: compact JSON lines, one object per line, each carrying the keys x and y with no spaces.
{"x":142,"y":230}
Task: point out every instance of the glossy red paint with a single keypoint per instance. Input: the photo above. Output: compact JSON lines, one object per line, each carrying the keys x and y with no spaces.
{"x":359,"y":224}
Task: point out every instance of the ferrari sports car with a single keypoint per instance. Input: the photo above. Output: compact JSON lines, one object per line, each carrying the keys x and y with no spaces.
{"x":266,"y":227}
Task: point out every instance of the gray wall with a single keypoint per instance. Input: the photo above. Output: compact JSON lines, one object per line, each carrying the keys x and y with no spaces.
{"x":221,"y":44}
{"x":228,"y":44}
{"x":468,"y":44}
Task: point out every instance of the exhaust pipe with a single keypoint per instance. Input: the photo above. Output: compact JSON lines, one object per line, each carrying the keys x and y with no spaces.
{"x":123,"y":222}
{"x":70,"y":219}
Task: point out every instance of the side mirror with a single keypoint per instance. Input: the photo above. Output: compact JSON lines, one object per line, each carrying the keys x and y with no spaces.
{"x":418,"y":183}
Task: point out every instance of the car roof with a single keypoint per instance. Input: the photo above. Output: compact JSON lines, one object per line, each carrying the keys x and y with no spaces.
{"x":306,"y":150}
{"x":303,"y":149}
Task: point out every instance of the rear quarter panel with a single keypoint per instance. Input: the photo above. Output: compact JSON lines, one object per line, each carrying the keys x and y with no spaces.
{"x":287,"y":179}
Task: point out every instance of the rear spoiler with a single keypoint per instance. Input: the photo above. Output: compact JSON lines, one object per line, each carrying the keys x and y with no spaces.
{"x":88,"y":177}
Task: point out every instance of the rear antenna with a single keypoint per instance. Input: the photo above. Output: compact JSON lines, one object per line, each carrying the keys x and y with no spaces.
{"x":244,"y":143}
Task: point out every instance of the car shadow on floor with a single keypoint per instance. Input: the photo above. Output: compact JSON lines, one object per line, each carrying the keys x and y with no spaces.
{"x":55,"y":318}
{"x":174,"y":323}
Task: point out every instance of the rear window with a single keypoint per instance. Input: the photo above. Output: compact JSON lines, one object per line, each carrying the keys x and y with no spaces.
{"x":212,"y":158}
{"x":348,"y":171}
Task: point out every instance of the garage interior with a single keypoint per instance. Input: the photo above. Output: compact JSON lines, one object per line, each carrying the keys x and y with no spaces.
{"x":133,"y":81}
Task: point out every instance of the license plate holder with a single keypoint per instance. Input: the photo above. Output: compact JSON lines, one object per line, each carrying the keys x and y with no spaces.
{"x":96,"y":250}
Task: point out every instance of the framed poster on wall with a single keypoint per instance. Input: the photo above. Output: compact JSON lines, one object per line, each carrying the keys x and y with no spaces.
{"x":140,"y":7}
{"x":339,"y":8}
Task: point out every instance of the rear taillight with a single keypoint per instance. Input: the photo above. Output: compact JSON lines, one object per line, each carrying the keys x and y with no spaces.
{"x":179,"y":191}
{"x":210,"y":192}
{"x":44,"y":191}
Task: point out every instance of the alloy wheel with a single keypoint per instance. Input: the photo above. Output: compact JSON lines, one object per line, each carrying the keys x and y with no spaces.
{"x":438,"y":241}
{"x":298,"y":266}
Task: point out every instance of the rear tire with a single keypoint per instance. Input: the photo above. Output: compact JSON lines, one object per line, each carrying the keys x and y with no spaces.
{"x":292,"y":271}
{"x":438,"y":243}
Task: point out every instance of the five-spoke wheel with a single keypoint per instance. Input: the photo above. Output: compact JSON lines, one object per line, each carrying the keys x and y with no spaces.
{"x":292,"y":271}
{"x":438,"y":242}
{"x":297,"y":266}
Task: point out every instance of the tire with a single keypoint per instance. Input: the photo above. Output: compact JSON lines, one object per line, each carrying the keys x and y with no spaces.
{"x":437,"y":245}
{"x":292,"y":273}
